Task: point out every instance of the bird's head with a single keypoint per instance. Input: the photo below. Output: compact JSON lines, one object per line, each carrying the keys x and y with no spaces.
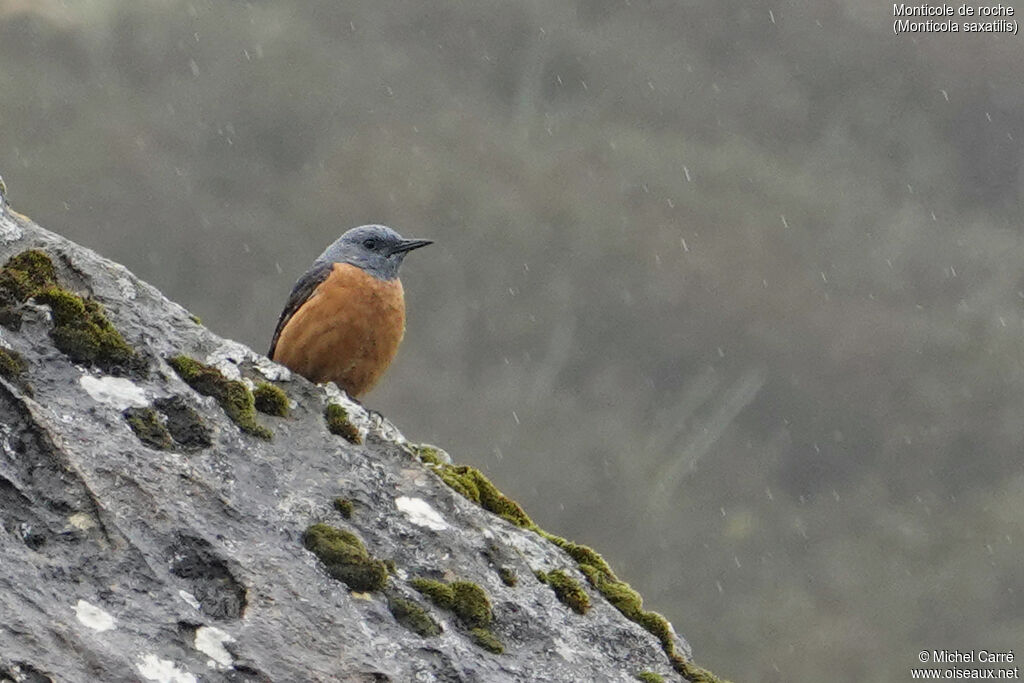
{"x":377,"y":249}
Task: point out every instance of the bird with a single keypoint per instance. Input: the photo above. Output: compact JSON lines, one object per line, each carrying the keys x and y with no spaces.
{"x":345,"y":317}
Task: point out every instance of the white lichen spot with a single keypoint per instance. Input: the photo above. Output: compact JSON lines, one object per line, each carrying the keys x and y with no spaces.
{"x":275,"y":372}
{"x":82,"y":521}
{"x":210,"y":641}
{"x":116,"y":391}
{"x":152,"y":668}
{"x":95,"y":618}
{"x":189,"y":599}
{"x":227,"y":357}
{"x":421,"y":513}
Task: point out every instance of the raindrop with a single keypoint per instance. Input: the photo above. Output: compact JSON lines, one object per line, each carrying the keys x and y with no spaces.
{"x":771,"y":15}
{"x":277,"y":267}
{"x":686,"y":172}
{"x":515,"y":417}
{"x":945,"y":94}
{"x":682,"y":241}
{"x":784,"y":223}
{"x":718,"y":584}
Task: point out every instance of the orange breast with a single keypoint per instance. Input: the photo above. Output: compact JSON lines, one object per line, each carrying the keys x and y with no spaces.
{"x":347,"y":332}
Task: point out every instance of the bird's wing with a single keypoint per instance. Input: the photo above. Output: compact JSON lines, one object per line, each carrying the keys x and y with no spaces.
{"x":302,"y":290}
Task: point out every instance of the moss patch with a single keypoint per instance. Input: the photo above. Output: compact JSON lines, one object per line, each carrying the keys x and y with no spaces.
{"x":650,"y":677}
{"x":12,"y":368}
{"x":270,"y":399}
{"x":472,"y":484}
{"x":345,"y":557}
{"x":83,"y":333}
{"x":12,"y":365}
{"x":24,"y":274}
{"x":411,"y":615}
{"x":428,"y":454}
{"x":466,"y":599}
{"x":233,"y":396}
{"x":344,"y":506}
{"x":81,"y":329}
{"x":568,"y":590}
{"x":469,"y":602}
{"x":487,"y":640}
{"x":508,"y":576}
{"x":147,"y":426}
{"x":338,"y":423}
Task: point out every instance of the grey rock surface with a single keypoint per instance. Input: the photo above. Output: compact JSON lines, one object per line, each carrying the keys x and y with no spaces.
{"x":119,"y":562}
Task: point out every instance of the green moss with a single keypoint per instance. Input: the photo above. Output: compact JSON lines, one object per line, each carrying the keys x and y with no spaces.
{"x":147,"y":426}
{"x":195,"y":318}
{"x":233,"y":396}
{"x":345,"y":557}
{"x":344,"y":506}
{"x":338,"y":423}
{"x":487,"y":640}
{"x":12,"y":365}
{"x":508,"y":576}
{"x":83,"y":333}
{"x":471,"y":603}
{"x":471,"y":483}
{"x":428,"y":454}
{"x":568,"y":590}
{"x":584,"y":555}
{"x":415,"y":618}
{"x":32,"y":270}
{"x":270,"y":399}
{"x":438,"y":591}
{"x":81,"y":329}
{"x":650,"y":677}
{"x":466,"y":599}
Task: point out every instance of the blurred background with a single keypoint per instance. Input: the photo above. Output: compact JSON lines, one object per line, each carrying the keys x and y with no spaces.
{"x":733,"y":292}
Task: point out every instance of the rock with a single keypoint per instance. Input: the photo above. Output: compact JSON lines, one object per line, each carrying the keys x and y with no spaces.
{"x":148,"y":535}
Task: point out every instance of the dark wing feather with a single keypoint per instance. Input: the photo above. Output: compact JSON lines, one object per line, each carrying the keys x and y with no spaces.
{"x":302,"y":290}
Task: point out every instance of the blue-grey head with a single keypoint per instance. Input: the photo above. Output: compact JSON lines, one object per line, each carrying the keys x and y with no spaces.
{"x":377,"y":249}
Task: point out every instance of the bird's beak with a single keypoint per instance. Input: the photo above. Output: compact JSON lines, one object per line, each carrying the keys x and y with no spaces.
{"x":409,"y":245}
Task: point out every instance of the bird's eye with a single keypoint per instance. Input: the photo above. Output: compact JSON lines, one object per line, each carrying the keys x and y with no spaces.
{"x":370,"y":243}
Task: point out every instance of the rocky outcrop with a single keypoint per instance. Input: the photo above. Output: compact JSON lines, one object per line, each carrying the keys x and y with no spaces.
{"x":157,"y":526}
